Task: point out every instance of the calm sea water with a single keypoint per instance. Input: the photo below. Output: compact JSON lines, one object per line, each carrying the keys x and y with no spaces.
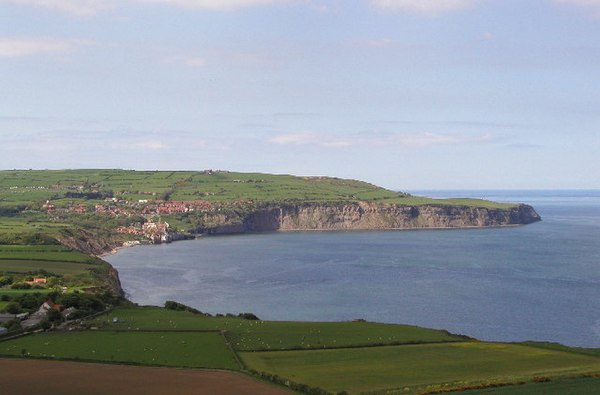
{"x":536,"y":282}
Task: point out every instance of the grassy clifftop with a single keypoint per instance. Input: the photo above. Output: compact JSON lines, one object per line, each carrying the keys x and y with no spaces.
{"x":30,"y":187}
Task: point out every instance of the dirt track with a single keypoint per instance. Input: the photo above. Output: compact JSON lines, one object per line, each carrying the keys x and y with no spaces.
{"x":33,"y":377}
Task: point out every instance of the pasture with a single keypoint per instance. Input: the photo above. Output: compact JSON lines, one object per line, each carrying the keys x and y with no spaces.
{"x":580,"y":386}
{"x":33,"y":266}
{"x":43,"y":253}
{"x":181,"y":349}
{"x":416,"y":368}
{"x":248,"y":335}
{"x":34,"y":187}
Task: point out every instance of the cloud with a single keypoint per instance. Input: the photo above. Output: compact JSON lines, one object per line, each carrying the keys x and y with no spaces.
{"x":75,"y":7}
{"x":377,"y":140}
{"x":375,"y":43}
{"x":423,"y":6}
{"x":585,"y":3}
{"x":216,"y":5}
{"x":593,"y":5}
{"x":192,"y":61}
{"x":19,"y":47}
{"x":87,"y":8}
{"x":487,"y":36}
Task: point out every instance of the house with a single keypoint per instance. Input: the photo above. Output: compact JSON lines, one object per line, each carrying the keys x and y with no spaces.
{"x":68,"y":311}
{"x":37,"y":317}
{"x":37,"y":281}
{"x":49,"y":305}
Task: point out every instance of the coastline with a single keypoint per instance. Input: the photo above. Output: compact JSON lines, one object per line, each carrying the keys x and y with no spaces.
{"x":200,"y":235}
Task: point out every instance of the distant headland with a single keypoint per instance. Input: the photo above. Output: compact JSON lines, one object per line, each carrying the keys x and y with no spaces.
{"x":97,"y":211}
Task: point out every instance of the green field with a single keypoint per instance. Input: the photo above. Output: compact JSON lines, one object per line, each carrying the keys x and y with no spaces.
{"x":415,"y":368}
{"x":34,"y":187}
{"x":248,"y":335}
{"x":181,"y":349}
{"x":27,"y":266}
{"x":43,"y":253}
{"x":335,"y":356}
{"x":51,"y":258}
{"x":18,"y":292}
{"x":583,"y":386}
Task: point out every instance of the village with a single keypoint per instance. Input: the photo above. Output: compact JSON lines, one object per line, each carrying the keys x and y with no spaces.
{"x":156,"y":231}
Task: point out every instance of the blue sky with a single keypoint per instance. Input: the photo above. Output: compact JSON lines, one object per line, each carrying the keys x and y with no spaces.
{"x":408,"y":94}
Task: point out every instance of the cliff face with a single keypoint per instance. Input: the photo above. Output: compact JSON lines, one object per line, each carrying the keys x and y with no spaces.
{"x":89,"y":242}
{"x":365,"y":216}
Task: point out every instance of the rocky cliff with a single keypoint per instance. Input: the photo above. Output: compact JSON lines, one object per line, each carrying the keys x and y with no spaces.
{"x":367,"y":216}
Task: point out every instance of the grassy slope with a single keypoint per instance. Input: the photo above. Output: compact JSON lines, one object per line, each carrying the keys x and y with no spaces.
{"x":274,"y":335}
{"x":18,"y":187}
{"x":380,"y":368}
{"x":52,"y":258}
{"x":408,"y":368}
{"x":206,"y":350}
{"x":583,"y":386}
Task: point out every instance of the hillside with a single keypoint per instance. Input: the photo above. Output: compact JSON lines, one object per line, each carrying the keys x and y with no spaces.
{"x":96,"y":211}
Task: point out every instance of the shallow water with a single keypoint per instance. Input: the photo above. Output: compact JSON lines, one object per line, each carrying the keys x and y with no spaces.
{"x":536,"y":282}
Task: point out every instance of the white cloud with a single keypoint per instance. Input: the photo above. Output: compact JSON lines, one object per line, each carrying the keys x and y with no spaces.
{"x":396,"y":139}
{"x":19,"y":47}
{"x":216,"y":5}
{"x":374,"y":43}
{"x":591,"y":6}
{"x":423,"y":6}
{"x":586,"y":3}
{"x":487,"y":36}
{"x":93,"y":7}
{"x":306,"y":138}
{"x":192,"y":61}
{"x":75,"y":7}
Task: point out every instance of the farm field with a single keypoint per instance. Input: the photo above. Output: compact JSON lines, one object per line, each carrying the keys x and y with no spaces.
{"x":19,"y":292}
{"x":309,"y":353}
{"x":249,"y":335}
{"x":180,"y":349}
{"x":415,"y":368}
{"x":43,"y":253}
{"x":582,"y":386}
{"x":38,"y":377}
{"x":26,"y":266}
{"x":51,"y":258}
{"x":30,"y":187}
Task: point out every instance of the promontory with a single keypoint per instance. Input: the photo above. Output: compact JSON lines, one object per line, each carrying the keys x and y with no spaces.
{"x":96,"y":211}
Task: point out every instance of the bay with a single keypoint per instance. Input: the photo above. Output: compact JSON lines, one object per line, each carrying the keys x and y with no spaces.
{"x":536,"y":282}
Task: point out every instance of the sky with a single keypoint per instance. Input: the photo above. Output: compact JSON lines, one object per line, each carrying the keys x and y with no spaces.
{"x":406,"y":94}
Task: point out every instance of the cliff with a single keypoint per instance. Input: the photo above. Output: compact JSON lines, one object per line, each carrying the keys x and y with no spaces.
{"x":369,"y":216}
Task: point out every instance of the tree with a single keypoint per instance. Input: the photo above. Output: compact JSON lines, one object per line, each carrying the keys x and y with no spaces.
{"x":54,"y":316}
{"x":13,"y":308}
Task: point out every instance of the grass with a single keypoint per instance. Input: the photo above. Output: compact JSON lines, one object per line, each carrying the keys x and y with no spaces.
{"x":246,"y":335}
{"x":581,"y":386}
{"x":19,"y":292}
{"x":43,"y":253}
{"x":414,"y":368}
{"x":180,"y":349}
{"x":34,"y":187}
{"x":27,"y":266}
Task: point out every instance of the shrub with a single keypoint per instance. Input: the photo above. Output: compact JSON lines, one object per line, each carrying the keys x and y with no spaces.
{"x":13,"y":308}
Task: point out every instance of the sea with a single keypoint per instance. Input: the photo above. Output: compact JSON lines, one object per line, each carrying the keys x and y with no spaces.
{"x":537,"y":282}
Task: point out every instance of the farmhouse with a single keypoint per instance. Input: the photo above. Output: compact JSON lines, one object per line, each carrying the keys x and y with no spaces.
{"x":38,"y":281}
